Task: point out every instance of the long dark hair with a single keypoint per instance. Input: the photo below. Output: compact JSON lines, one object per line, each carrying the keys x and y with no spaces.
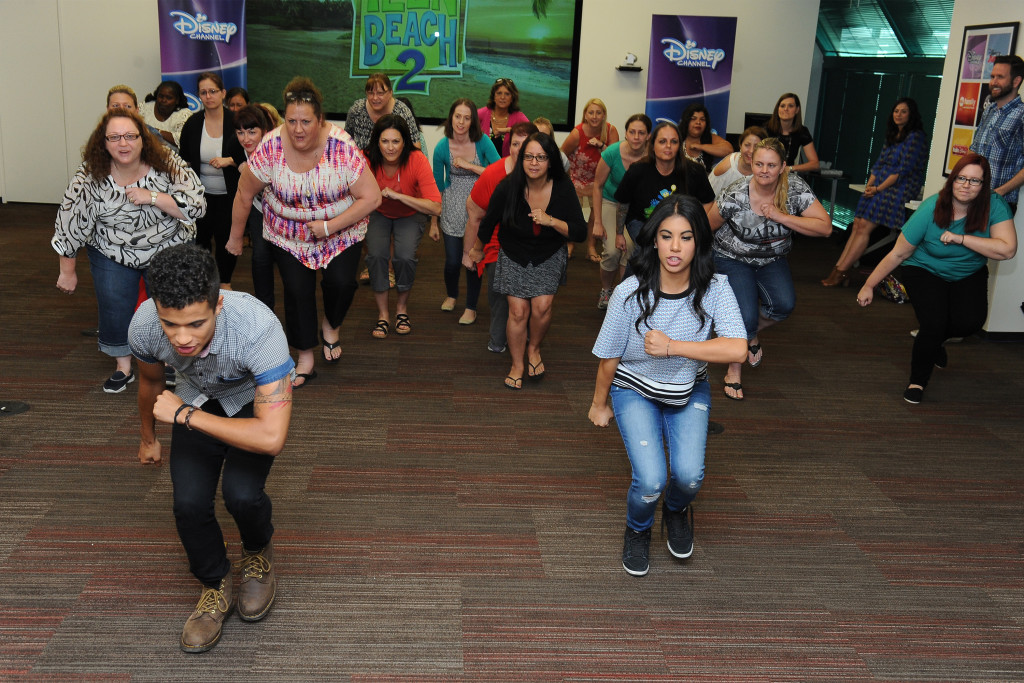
{"x":517,"y":178}
{"x":977,"y":212}
{"x":647,"y":266}
{"x":774,"y":124}
{"x":373,"y":153}
{"x":893,"y":134}
{"x":475,"y":131}
{"x":684,"y":122}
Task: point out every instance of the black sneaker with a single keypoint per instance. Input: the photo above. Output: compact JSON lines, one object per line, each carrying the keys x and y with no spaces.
{"x":494,"y":348}
{"x":680,"y":530}
{"x":913,"y":395}
{"x":635,"y":552}
{"x":116,"y":383}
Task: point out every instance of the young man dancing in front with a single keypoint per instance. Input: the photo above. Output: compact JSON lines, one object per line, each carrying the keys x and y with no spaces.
{"x":231,"y":412}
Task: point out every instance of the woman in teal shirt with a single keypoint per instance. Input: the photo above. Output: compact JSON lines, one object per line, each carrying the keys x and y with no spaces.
{"x":944,"y":249}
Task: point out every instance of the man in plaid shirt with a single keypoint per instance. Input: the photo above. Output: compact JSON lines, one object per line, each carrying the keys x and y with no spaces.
{"x":1000,"y":135}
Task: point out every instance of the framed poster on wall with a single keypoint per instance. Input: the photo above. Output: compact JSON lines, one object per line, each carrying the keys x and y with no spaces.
{"x":981,"y":45}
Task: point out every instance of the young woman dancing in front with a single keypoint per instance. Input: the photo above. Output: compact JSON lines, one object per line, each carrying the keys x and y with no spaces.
{"x":654,"y":347}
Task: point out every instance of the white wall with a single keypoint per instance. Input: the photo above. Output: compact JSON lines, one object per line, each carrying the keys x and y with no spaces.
{"x":58,"y":58}
{"x":93,"y":45}
{"x":1006,"y":278}
{"x":772,"y":53}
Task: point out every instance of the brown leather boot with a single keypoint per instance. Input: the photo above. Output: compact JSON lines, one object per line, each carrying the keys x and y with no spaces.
{"x":203,"y":627}
{"x":258,"y":583}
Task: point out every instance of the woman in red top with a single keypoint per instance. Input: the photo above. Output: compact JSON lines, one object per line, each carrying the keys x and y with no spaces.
{"x":583,"y":147}
{"x":407,"y":185}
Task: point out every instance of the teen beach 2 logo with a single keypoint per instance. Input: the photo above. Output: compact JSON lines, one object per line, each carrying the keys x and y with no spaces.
{"x":198,"y":28}
{"x":688,"y":54}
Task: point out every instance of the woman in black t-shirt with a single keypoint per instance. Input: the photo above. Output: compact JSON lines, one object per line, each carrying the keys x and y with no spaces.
{"x":786,"y":125}
{"x":663,"y":171}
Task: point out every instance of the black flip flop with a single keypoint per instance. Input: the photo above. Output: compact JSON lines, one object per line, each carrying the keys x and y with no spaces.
{"x":307,"y":377}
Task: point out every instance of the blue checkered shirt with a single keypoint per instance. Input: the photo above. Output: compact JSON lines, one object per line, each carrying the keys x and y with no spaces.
{"x":1000,"y":139}
{"x":248,"y":349}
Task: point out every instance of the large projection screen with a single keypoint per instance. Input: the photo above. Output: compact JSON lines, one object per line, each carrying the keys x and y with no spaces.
{"x":434,"y":51}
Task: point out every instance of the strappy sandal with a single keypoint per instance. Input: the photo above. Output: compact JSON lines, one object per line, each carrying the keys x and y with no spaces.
{"x":735,"y":386}
{"x":328,"y":350}
{"x":381,"y":329}
{"x":402,"y":325}
{"x":754,"y":349}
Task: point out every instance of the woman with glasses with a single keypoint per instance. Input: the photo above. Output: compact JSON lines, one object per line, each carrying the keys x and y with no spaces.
{"x":319,"y":194}
{"x":166,"y":110}
{"x":944,"y":249}
{"x":459,"y":159}
{"x":131,"y":197}
{"x":583,"y":146}
{"x":211,"y":148}
{"x":379,"y":101}
{"x":754,"y":222}
{"x":409,"y":195}
{"x":501,"y":113}
{"x":895,"y":179}
{"x":539,"y":211}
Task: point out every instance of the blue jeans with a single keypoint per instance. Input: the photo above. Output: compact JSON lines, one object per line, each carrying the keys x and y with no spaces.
{"x":117,"y":292}
{"x":197,"y":461}
{"x":760,"y":290}
{"x":452,"y":269}
{"x":646,"y":427}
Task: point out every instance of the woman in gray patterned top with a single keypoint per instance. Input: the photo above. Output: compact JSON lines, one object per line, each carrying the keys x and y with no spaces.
{"x":754,"y":220}
{"x":131,"y":197}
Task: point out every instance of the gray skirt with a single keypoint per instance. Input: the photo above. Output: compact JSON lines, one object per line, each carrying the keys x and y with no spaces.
{"x":526,"y":282}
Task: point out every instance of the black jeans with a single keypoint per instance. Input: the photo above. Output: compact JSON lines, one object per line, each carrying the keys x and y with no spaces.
{"x":262,"y":260}
{"x":338,"y":285}
{"x":215,"y":226}
{"x":944,"y":309}
{"x":196,"y":464}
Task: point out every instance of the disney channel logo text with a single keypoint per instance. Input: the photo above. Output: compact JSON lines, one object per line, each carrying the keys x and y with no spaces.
{"x":688,"y":54}
{"x":198,"y":28}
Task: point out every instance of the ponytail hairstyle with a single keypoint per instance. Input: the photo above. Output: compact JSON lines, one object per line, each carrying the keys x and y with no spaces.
{"x":646,"y":264}
{"x":782,"y":189}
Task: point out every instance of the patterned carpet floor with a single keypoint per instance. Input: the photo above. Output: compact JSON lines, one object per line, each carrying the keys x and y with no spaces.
{"x":432,"y":525}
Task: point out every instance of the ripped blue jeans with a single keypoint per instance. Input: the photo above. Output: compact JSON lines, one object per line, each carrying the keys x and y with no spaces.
{"x":646,"y":426}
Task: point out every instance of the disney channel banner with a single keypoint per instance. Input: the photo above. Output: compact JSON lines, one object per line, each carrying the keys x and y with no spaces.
{"x":691,"y":61}
{"x":202,"y":35}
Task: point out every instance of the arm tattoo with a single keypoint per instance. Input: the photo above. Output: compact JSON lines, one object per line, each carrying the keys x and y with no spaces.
{"x":275,"y":395}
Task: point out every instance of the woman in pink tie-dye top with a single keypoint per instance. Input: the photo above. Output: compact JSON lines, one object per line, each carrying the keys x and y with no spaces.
{"x":315,"y":210}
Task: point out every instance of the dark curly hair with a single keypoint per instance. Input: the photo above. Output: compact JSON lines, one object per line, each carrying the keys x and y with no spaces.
{"x":182,"y":275}
{"x":893,"y":134}
{"x":646,"y":264}
{"x":154,"y":152}
{"x":180,"y":101}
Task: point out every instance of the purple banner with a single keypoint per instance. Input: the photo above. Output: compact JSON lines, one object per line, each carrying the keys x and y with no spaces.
{"x":202,"y":35}
{"x":691,"y":61}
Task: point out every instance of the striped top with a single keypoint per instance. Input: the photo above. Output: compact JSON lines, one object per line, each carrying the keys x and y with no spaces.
{"x":292,"y":199}
{"x":248,"y":349}
{"x":666,"y":380}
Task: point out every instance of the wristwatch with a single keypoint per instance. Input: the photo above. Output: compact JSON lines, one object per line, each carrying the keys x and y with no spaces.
{"x":152,"y":197}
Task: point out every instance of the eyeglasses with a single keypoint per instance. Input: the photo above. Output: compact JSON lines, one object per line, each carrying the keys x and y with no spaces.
{"x":535,"y":157}
{"x":505,"y":81}
{"x":964,"y":180}
{"x":300,"y":96}
{"x":129,"y":137}
{"x":207,"y":93}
